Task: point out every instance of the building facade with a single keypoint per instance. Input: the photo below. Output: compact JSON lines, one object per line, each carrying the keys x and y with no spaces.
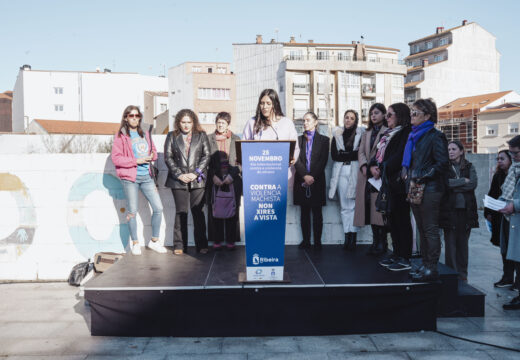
{"x":78,"y":96}
{"x":476,"y":120}
{"x":155,"y":104}
{"x":206,"y":88}
{"x":325,"y":78}
{"x":6,"y":113}
{"x":458,"y":62}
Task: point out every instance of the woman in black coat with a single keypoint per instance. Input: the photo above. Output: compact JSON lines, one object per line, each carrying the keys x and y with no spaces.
{"x":223,"y":173}
{"x":309,"y":181}
{"x":389,"y":157}
{"x":186,"y":154}
{"x":495,"y":218}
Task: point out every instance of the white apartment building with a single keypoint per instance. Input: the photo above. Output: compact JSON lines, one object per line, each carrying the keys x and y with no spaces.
{"x":496,"y":126}
{"x":205,"y":87}
{"x":458,"y":62}
{"x":78,"y":95}
{"x":325,"y":78}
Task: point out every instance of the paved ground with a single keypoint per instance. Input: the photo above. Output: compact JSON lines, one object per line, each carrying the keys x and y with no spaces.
{"x":50,"y":321}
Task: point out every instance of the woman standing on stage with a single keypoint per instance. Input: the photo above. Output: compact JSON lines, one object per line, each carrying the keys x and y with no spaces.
{"x":269,"y":123}
{"x":425,"y":165}
{"x":389,"y":157}
{"x":223,"y":173}
{"x":344,"y":153}
{"x":186,"y":153}
{"x":309,"y":181}
{"x":365,"y":212}
{"x":495,"y":218}
{"x":132,"y":153}
{"x":459,"y":210}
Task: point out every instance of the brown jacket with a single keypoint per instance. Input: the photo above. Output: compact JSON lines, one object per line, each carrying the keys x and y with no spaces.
{"x":365,"y":154}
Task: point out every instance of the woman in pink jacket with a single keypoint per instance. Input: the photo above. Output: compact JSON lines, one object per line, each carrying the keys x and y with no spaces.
{"x":132,"y":153}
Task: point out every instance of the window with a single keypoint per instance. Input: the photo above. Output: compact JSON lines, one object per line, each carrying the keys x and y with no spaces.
{"x":343,"y":55}
{"x":429,"y":45}
{"x":491,"y":130}
{"x":372,"y":57}
{"x":58,"y":90}
{"x":196,"y":69}
{"x":214,"y":94}
{"x":397,"y":81}
{"x":437,"y":58}
{"x":163,"y":107}
{"x":221,"y":70}
{"x":443,"y":41}
{"x":207,"y":117}
{"x":353,"y":80}
{"x":416,"y":48}
{"x":296,"y":55}
{"x":58,"y":107}
{"x":210,"y":70}
{"x":322,"y":55}
{"x":469,"y":132}
{"x":513,"y":128}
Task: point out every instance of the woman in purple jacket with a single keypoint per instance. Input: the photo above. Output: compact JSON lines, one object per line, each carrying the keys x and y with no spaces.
{"x":132,"y":153}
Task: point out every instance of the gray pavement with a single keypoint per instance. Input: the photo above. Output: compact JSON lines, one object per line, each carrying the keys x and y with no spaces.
{"x":51,"y":321}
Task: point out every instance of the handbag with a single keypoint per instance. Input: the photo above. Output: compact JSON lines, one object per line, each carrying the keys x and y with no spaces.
{"x":78,"y":272}
{"x":104,"y":260}
{"x":383,"y":196}
{"x":415,"y":193}
{"x":223,"y":202}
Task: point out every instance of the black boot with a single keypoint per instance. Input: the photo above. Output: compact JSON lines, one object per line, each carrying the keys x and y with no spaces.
{"x":304,"y":244}
{"x":317,"y":244}
{"x":380,"y":240}
{"x":375,"y":236}
{"x":346,"y":244}
{"x":353,"y":241}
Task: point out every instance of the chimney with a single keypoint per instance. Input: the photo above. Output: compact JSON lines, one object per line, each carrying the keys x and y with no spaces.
{"x":292,"y":41}
{"x":25,"y":67}
{"x":425,"y":62}
{"x":311,"y":41}
{"x":272,"y":41}
{"x":258,"y":39}
{"x":439,"y":30}
{"x":464,"y":22}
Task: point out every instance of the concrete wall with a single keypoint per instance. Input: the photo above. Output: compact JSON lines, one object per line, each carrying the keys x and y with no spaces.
{"x":60,"y":209}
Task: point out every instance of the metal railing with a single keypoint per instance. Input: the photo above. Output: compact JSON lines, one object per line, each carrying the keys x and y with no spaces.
{"x":368,"y":89}
{"x":342,"y":58}
{"x":301,"y":88}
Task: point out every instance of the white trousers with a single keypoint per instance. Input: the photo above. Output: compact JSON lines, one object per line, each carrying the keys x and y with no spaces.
{"x":347,"y":205}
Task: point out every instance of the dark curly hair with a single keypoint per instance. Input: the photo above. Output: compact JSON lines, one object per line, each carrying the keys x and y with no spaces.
{"x":189,"y":113}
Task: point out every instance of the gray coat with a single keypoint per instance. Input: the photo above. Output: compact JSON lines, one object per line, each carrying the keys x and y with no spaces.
{"x":513,"y":248}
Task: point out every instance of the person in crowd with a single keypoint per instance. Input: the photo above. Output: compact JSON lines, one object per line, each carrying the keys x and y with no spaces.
{"x":459,"y":209}
{"x":269,"y":123}
{"x":186,"y":153}
{"x":223,"y":174}
{"x":495,"y":219}
{"x":309,"y":181}
{"x":344,"y":153}
{"x":424,"y":168}
{"x":511,"y":222}
{"x":132,"y":153}
{"x":365,"y":212}
{"x":389,"y":157}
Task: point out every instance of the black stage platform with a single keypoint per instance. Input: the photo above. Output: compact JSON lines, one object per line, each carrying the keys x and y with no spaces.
{"x":331,"y":292}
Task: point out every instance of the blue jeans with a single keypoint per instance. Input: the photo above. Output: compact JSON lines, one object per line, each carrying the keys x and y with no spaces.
{"x":149,"y":190}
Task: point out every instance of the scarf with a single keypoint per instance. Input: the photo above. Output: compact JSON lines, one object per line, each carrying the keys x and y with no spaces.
{"x":221,"y":141}
{"x":415,"y":135}
{"x":383,"y":142}
{"x":223,"y":144}
{"x":508,"y":187}
{"x":308,"y":147}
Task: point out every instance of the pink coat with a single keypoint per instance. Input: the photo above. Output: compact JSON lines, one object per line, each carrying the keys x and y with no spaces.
{"x":123,"y":156}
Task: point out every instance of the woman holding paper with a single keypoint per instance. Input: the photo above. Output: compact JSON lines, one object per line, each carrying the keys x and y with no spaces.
{"x":459,"y":209}
{"x":366,"y":193}
{"x":495,"y":218}
{"x":344,"y":153}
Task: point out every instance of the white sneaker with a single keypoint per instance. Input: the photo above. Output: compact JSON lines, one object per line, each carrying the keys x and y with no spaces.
{"x":136,"y":249}
{"x":155,"y":246}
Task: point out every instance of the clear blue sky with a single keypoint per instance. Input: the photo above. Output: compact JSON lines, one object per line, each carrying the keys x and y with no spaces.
{"x":146,"y":36}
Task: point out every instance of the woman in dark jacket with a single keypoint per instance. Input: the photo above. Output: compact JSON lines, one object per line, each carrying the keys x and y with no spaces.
{"x":186,"y":153}
{"x":309,"y":181}
{"x":389,"y":157}
{"x":425,"y":163}
{"x":459,"y":209}
{"x":224,"y":174}
{"x":495,"y":218}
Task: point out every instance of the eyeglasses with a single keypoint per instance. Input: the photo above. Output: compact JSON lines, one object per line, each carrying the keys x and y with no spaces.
{"x":131,"y":116}
{"x":389,"y":115}
{"x":416,"y":113}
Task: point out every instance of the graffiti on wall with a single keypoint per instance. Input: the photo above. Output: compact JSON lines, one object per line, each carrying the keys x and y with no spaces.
{"x":16,"y":243}
{"x":85,"y":243}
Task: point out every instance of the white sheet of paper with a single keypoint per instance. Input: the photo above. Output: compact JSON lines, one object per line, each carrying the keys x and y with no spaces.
{"x":376,"y":183}
{"x":493,"y":204}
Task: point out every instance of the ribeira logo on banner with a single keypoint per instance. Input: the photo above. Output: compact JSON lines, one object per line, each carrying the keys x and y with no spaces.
{"x":256,"y":259}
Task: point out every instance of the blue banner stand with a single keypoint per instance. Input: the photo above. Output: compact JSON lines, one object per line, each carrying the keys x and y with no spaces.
{"x":264,"y":173}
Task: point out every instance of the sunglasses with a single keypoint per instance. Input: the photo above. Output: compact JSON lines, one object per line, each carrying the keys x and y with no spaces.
{"x":131,"y":116}
{"x":416,"y":113}
{"x":389,"y":115}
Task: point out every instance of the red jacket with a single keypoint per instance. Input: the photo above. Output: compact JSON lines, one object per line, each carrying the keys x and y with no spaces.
{"x":123,"y":155}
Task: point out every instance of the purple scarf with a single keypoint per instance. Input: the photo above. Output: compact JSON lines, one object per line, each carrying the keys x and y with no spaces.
{"x":308,"y":148}
{"x":413,"y":138}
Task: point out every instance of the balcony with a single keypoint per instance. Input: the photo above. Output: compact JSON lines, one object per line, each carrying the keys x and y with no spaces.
{"x":322,"y":88}
{"x":325,"y":113}
{"x":299,"y":113}
{"x":368,"y":90}
{"x":301,"y":88}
